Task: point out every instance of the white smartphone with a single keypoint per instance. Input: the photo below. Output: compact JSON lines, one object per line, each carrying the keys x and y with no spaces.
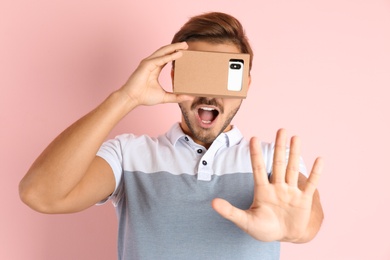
{"x":235,"y":73}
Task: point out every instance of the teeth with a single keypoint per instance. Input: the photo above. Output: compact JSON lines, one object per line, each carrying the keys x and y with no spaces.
{"x":207,"y":108}
{"x":210,"y":110}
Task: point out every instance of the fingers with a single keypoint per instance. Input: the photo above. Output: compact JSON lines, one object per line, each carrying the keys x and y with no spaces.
{"x":159,"y":59}
{"x":174,"y":98}
{"x":292,"y":172}
{"x":156,"y":61}
{"x":226,"y":210}
{"x":279,"y":160}
{"x":312,"y":181}
{"x":289,"y":172}
{"x":170,"y":50}
{"x":259,"y":171}
{"x":143,"y":85}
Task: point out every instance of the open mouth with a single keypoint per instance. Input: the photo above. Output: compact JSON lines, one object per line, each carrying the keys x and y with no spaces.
{"x":207,"y":114}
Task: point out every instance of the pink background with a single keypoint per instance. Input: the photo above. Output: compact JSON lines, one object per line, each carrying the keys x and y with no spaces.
{"x":321,"y":70}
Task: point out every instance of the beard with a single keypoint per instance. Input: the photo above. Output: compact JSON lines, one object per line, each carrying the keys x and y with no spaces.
{"x":207,"y":135}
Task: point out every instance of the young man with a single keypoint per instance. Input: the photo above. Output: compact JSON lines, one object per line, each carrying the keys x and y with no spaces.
{"x":171,"y":193}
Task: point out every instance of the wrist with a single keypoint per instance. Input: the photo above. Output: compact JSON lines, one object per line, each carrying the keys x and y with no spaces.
{"x":118,"y":104}
{"x":124,"y":101}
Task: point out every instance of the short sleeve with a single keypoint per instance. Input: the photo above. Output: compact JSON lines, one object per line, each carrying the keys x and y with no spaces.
{"x":112,"y":152}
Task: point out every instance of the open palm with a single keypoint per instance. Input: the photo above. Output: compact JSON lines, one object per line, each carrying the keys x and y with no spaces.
{"x":280,"y":209}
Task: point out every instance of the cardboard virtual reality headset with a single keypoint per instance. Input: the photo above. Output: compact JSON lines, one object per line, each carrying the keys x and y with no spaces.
{"x":212,"y":74}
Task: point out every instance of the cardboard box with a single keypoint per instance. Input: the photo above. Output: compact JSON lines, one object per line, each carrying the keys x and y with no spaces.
{"x":212,"y":74}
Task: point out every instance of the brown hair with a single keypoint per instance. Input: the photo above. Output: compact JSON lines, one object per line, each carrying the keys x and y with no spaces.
{"x":215,"y":27}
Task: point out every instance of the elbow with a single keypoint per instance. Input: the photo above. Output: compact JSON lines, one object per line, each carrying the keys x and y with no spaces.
{"x":32,"y":198}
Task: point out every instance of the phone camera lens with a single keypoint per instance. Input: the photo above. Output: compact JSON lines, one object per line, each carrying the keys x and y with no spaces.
{"x":235,"y":66}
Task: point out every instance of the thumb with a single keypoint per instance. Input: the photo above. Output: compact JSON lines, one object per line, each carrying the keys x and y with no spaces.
{"x":174,"y":98}
{"x":228,"y":211}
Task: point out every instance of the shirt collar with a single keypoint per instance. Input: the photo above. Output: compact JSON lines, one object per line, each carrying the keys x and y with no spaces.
{"x":232,"y":137}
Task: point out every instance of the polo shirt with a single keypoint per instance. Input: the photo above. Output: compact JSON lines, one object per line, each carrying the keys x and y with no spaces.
{"x":163,"y":194}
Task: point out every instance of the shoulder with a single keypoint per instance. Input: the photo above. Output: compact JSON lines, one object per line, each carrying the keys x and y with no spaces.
{"x":266,"y":147}
{"x":134,"y":146}
{"x":126,"y":139}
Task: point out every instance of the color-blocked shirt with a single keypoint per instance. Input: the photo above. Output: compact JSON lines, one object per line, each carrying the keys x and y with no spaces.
{"x":164,"y":189}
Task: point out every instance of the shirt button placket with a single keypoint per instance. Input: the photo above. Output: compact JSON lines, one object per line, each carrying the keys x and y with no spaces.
{"x":205,"y":169}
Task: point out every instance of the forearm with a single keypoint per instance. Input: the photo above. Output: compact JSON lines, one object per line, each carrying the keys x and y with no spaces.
{"x":64,"y":162}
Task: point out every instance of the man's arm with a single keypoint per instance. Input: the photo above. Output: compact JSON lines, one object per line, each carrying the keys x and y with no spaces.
{"x":67,"y":176}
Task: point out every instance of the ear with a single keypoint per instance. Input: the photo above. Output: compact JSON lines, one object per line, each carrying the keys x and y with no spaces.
{"x":249,"y":81}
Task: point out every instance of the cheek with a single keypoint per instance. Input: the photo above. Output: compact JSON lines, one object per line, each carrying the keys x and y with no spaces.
{"x":185,"y":107}
{"x":186,"y":104}
{"x":232,"y":104}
